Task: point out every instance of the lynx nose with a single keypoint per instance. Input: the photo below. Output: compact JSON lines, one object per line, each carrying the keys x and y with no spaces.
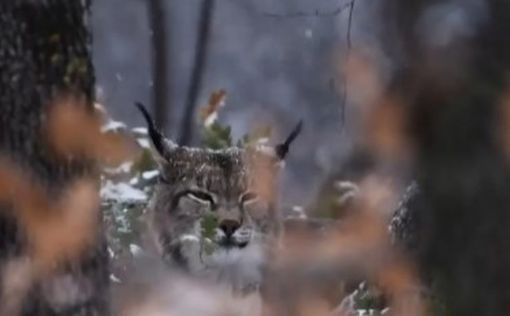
{"x":229,"y":226}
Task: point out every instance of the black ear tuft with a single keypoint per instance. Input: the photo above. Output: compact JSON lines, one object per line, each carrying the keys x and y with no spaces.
{"x":283,"y":148}
{"x":154,"y":134}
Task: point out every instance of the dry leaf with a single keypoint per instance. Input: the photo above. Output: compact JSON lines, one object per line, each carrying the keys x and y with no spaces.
{"x":75,"y":130}
{"x":57,"y":229}
{"x":209,"y":113}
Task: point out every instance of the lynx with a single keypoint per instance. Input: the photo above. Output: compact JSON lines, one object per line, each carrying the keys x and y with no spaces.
{"x":214,"y":213}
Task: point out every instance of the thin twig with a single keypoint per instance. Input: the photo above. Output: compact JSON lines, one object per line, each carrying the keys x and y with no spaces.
{"x":350,"y":6}
{"x":302,"y":14}
{"x":349,"y":25}
{"x":343,"y":100}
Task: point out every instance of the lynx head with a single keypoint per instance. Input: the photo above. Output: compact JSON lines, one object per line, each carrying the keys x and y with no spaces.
{"x":209,"y":202}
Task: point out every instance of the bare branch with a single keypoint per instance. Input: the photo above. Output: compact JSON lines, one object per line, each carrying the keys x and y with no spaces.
{"x":316,"y":13}
{"x":343,"y":100}
{"x":349,"y":25}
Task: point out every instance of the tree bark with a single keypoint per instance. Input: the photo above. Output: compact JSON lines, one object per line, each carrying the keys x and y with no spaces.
{"x":160,"y":50}
{"x":197,"y":73}
{"x":44,"y":52}
{"x":456,"y":220}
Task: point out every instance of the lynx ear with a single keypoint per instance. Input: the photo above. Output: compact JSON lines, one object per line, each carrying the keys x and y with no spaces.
{"x":162,"y":145}
{"x":282,"y":149}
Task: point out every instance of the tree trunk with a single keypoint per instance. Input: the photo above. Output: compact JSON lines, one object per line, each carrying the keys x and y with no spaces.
{"x":160,"y":88}
{"x":197,"y":72}
{"x":44,"y":52}
{"x":456,"y":221}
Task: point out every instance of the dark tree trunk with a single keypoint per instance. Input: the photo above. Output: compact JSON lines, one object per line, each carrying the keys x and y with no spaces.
{"x":44,"y":52}
{"x":160,"y":50}
{"x":197,"y":73}
{"x":456,"y":221}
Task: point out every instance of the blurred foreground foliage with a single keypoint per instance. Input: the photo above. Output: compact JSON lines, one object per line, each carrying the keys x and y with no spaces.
{"x":125,"y":190}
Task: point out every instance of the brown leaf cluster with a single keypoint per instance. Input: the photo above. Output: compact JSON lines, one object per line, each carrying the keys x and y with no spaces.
{"x":503,"y":130}
{"x":358,"y":246}
{"x":383,"y":116}
{"x":73,"y":129}
{"x":385,"y":128}
{"x":57,"y":229}
{"x":364,"y":83}
{"x":59,"y":226}
{"x":263,"y":175}
{"x":216,"y":100}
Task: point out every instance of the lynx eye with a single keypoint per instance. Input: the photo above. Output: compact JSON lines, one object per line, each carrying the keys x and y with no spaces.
{"x":201,"y":197}
{"x":249,"y":197}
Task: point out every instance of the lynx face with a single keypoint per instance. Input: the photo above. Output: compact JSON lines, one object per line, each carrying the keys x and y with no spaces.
{"x":215,"y":210}
{"x":211,"y":202}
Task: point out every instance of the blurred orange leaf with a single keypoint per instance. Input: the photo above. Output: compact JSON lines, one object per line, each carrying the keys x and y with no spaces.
{"x":208,"y":113}
{"x":57,"y":229}
{"x":75,"y":130}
